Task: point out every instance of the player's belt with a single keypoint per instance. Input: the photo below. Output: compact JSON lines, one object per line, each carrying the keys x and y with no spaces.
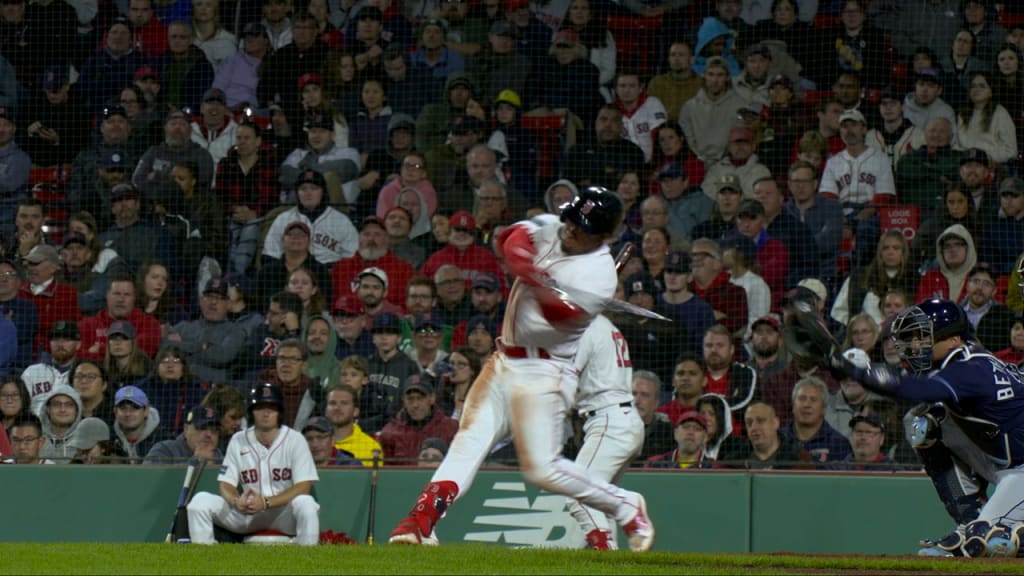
{"x":587,"y":414}
{"x":521,"y":351}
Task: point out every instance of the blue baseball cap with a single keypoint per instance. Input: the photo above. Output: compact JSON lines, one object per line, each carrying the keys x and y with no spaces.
{"x":132,"y":394}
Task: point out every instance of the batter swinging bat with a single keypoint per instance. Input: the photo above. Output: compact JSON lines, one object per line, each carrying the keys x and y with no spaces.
{"x":179,"y":523}
{"x":370,"y":520}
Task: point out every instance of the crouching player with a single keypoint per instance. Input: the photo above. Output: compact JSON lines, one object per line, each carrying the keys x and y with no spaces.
{"x":265,"y":481}
{"x":970,"y":430}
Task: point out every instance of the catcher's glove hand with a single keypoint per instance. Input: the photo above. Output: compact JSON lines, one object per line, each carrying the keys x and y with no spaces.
{"x":807,"y":338}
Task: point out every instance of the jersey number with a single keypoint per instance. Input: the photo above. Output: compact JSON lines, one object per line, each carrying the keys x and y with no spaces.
{"x":621,"y":350}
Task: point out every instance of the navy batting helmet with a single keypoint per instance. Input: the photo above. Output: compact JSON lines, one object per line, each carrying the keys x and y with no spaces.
{"x":595,"y":210}
{"x":265,"y":393}
{"x":916,"y":329}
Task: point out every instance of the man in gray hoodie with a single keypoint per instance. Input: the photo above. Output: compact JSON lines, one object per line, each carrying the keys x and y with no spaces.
{"x":135,"y":423}
{"x":60,"y":415}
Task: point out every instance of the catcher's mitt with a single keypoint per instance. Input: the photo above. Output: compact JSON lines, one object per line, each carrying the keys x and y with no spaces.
{"x":807,"y":338}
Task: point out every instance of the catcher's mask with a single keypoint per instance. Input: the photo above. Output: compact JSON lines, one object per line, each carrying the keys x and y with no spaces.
{"x":912,"y":333}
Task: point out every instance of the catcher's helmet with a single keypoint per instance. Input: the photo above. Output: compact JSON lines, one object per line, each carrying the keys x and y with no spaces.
{"x":916,"y":329}
{"x":595,"y":210}
{"x":265,"y":393}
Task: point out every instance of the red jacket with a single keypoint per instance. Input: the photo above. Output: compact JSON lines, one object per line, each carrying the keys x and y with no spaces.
{"x":58,"y":302}
{"x":773,"y":262}
{"x":934,"y":285}
{"x":400,"y":439}
{"x":472,"y":261}
{"x":725,"y":297}
{"x":673,"y":409}
{"x":94,"y":333}
{"x":345,"y":276}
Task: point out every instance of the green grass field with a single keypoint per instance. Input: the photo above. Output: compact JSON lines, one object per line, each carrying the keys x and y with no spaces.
{"x":450,"y":559}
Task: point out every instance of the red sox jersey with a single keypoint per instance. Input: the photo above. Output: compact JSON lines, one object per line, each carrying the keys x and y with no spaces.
{"x":606,"y":372}
{"x":866,"y":179}
{"x":639,"y":123}
{"x":40,"y":379}
{"x":269,"y":471}
{"x":333,"y":235}
{"x":590,"y":277}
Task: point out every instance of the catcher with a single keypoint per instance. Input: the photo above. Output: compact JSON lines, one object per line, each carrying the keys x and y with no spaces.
{"x":969,"y":429}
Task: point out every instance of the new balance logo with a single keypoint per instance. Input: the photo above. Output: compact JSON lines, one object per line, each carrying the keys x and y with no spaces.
{"x":545,"y":522}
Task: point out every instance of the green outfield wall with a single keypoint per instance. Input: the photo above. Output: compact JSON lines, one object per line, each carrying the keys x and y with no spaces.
{"x":707,"y":511}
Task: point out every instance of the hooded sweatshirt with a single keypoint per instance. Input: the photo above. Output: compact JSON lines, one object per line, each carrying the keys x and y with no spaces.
{"x":723,"y":415}
{"x":332,"y":235}
{"x":56,"y":445}
{"x":945,"y":281}
{"x":549,"y":193}
{"x":137,"y":450}
{"x":710,"y":29}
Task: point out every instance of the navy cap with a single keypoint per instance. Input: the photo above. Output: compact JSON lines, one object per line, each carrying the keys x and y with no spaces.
{"x":480,"y":321}
{"x":203,"y":417}
{"x":743,"y":245}
{"x":678,"y":262}
{"x":425,"y":321}
{"x":463,"y":124}
{"x":420,"y":382}
{"x":311,"y":177}
{"x":974,"y":155}
{"x":641,"y":282}
{"x":320,"y":424}
{"x":386,"y":322}
{"x":872,"y":419}
{"x":122,"y":328}
{"x":217,"y":285}
{"x":672,"y":170}
{"x":487,"y":281}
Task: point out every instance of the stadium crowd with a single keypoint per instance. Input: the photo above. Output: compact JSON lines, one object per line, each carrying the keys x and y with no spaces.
{"x":198,"y":196}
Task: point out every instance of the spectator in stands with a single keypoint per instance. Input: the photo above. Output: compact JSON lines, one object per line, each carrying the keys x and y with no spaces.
{"x":149,"y":34}
{"x":295,"y":243}
{"x":332,"y":235}
{"x":739,"y":257}
{"x":436,"y":119}
{"x":822,"y":216}
{"x":481,"y":335}
{"x":134,"y":240}
{"x":136,"y":424}
{"x":55,"y":126}
{"x":984,"y":123}
{"x":216,"y":131}
{"x":199,"y":437}
{"x":237,"y":74}
{"x":217,"y":43}
{"x":322,"y":364}
{"x":230,"y":404}
{"x":404,"y":84}
{"x":147,"y":79}
{"x":155,"y":296}
{"x":28,"y":220}
{"x":54,"y":300}
{"x":752,"y":83}
{"x":589,"y":21}
{"x":281,"y":69}
{"x":124,"y":363}
{"x":184,"y":69}
{"x":398,"y":222}
{"x":691,"y":435}
{"x":767,"y":448}
{"x":980,"y":19}
{"x":319,"y":434}
{"x":40,"y":379}
{"x":105,"y":73}
{"x":500,"y":65}
{"x":1004,"y":235}
{"x":739,"y":160}
{"x":678,"y":83}
{"x":672,"y":148}
{"x":767,"y":355}
{"x":432,"y":53}
{"x":493,"y":211}
{"x":454,"y":386}
{"x":14,"y":401}
{"x":991,"y":320}
{"x":707,"y":117}
{"x":342,"y":410}
{"x":427,"y":350}
{"x":383,"y":166}
{"x":735,"y":381}
{"x":809,"y":428}
{"x":773,"y":256}
{"x":27,"y":441}
{"x":389,"y":367}
{"x":647,"y":391}
{"x":805,"y":254}
{"x":171,"y":389}
{"x":153,"y":173}
{"x":867,"y":432}
{"x":283,"y":321}
{"x":322,"y":155}
{"x":728,"y":194}
{"x":925,"y":103}
{"x":194,"y":219}
{"x":61,"y":415}
{"x":371,"y":290}
{"x":642,"y":113}
{"x":711,"y":284}
{"x":412,"y":172}
{"x":373,"y":399}
{"x":276,"y":21}
{"x":121,"y":298}
{"x":420,"y":418}
{"x":934,"y":162}
{"x":303,"y":282}
{"x":891,"y":268}
{"x":863,"y":333}
{"x":367,"y":41}
{"x":20,"y":309}
{"x":956,"y":208}
{"x":212,"y":343}
{"x":1008,"y":78}
{"x":14,"y":162}
{"x":858,"y":47}
{"x":579,"y":90}
{"x":374,"y":251}
{"x":1014,"y":353}
{"x":894,"y":133}
{"x":958,"y":65}
{"x":932,"y":24}
{"x":717,"y":38}
{"x":299,"y":390}
{"x":605,"y":154}
{"x":447,"y":163}
{"x":99,"y":167}
{"x":463,"y":251}
{"x":688,"y":382}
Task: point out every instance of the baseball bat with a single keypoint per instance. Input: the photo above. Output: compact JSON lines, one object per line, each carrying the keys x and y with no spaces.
{"x":371,"y":518}
{"x":625,"y":253}
{"x":192,"y":475}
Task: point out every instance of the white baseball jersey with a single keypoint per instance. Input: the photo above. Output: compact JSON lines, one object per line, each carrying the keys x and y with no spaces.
{"x":590,"y":277}
{"x":333,"y":235}
{"x":606,"y":372}
{"x":639,"y":124}
{"x":856,"y":181}
{"x":40,"y":379}
{"x":269,"y":471}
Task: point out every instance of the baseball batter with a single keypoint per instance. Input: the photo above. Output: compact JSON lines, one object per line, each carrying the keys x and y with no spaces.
{"x":613,"y":431}
{"x":265,"y":480}
{"x":528,"y":385}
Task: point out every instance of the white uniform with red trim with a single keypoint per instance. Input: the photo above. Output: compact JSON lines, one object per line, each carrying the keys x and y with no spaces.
{"x":613,"y":431}
{"x":528,"y":386}
{"x":269,"y":471}
{"x":859,"y":181}
{"x":640,"y":122}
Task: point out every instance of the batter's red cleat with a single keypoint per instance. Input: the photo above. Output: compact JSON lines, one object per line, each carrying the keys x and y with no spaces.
{"x":597,"y":540}
{"x":408,"y":531}
{"x":639,"y":531}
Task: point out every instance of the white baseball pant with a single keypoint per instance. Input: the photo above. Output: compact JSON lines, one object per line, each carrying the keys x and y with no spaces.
{"x":300,"y":517}
{"x":530,"y":398}
{"x":612,"y":437}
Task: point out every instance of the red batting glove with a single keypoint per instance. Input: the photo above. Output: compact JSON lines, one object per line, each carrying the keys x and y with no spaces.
{"x":515,"y":245}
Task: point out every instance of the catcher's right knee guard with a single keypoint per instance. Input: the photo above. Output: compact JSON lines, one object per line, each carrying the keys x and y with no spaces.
{"x":976,"y":537}
{"x":1004,"y":542}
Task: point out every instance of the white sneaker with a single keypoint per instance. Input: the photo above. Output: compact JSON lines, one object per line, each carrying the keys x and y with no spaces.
{"x":639,"y":530}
